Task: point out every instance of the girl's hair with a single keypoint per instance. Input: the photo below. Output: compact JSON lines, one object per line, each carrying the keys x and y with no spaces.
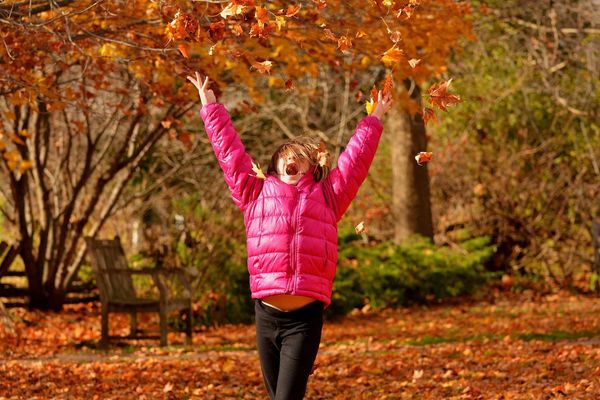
{"x":307,"y":148}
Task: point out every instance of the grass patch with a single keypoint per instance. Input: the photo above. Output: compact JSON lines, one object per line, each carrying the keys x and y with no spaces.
{"x":558,"y":335}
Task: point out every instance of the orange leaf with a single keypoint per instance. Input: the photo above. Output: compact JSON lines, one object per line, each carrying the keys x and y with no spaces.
{"x":392,"y":56}
{"x":184,"y":48}
{"x":388,"y":85}
{"x":344,"y":43}
{"x":321,"y":4}
{"x":262,"y":16}
{"x":289,"y":84}
{"x":423,"y":157}
{"x":292,"y":10}
{"x":360,"y":34}
{"x":439,"y":96}
{"x":329,"y":35}
{"x":263,"y":67}
{"x":428,"y":114}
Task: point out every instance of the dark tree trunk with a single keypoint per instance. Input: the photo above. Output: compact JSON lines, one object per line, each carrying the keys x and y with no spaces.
{"x":411,"y":196}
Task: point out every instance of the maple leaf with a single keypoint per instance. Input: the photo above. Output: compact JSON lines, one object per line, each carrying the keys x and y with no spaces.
{"x":388,"y":86}
{"x":358,"y":96}
{"x":439,"y":96}
{"x":232,"y":9}
{"x":344,"y":43}
{"x":259,"y":173}
{"x":292,"y":10}
{"x":263,"y":67}
{"x":184,"y":48}
{"x":262,"y":16}
{"x":360,"y":228}
{"x":413,"y":62}
{"x":289,"y":85}
{"x":329,"y":35}
{"x":428,"y":114}
{"x":321,"y":4}
{"x":423,"y":157}
{"x":392,"y":56}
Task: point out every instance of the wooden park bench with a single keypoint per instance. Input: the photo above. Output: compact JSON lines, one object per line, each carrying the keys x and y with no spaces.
{"x":118,"y":295}
{"x":8,"y":253}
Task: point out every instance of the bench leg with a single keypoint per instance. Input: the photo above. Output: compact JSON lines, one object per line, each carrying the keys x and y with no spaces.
{"x":104,"y":339}
{"x":188,"y":326}
{"x":163,"y":327}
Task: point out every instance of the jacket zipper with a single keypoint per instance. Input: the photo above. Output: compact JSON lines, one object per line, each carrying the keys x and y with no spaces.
{"x":293,"y":248}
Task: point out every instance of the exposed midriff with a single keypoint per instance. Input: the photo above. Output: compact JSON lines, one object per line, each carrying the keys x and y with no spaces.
{"x":287,"y":302}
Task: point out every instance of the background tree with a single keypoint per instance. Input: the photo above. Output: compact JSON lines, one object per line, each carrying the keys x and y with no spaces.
{"x":518,"y":159}
{"x":84,"y":103}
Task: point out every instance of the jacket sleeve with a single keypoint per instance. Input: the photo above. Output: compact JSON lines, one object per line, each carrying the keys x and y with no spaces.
{"x":231,"y":155}
{"x":353,"y":164}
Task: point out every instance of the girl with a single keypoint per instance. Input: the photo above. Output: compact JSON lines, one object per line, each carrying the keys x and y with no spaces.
{"x":291,"y":226}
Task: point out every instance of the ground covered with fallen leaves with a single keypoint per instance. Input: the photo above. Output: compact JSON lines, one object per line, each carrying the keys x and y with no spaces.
{"x":512,"y":347}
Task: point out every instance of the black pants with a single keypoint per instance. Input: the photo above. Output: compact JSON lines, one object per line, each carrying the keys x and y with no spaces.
{"x":287,"y":346}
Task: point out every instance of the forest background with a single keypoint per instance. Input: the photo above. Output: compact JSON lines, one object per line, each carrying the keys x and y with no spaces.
{"x":101,"y":136}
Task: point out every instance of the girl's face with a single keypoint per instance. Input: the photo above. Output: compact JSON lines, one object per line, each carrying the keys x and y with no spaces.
{"x":291,"y":170}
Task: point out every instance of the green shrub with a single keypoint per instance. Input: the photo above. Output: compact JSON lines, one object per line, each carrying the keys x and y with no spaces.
{"x":389,"y":275}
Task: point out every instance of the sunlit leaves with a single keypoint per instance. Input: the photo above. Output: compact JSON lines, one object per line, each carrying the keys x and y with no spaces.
{"x":439,"y":96}
{"x":392,"y":56}
{"x":263,"y":67}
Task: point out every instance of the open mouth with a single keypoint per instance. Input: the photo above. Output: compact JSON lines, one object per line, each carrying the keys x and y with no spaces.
{"x":291,"y":169}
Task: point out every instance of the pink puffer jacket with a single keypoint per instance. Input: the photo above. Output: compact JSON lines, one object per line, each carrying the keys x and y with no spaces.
{"x":291,"y":230}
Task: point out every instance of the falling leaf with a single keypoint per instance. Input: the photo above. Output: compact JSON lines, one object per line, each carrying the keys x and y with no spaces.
{"x":289,"y":85}
{"x":263,"y":67}
{"x":25,"y":165}
{"x":232,"y":9}
{"x":292,"y":10}
{"x":184,"y":48}
{"x":388,"y":85}
{"x":428,"y":114}
{"x":360,"y":34}
{"x":423,"y":157}
{"x":329,"y":35}
{"x":280,"y":22}
{"x":321,"y":4}
{"x":439,"y":96}
{"x":358,"y":96}
{"x":395,"y":36}
{"x":344,"y":43}
{"x":360,"y":228}
{"x":259,"y":173}
{"x":392,"y":56}
{"x":413,"y":62}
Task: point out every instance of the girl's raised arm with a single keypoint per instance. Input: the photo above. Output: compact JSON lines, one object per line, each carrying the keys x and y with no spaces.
{"x":228,"y":147}
{"x":354,"y":162}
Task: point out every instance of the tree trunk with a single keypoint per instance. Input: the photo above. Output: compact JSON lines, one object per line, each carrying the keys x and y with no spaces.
{"x":410,"y":182}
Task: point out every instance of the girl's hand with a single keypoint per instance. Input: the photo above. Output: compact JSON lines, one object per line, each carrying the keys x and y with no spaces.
{"x":206,"y":95}
{"x":383,"y":104}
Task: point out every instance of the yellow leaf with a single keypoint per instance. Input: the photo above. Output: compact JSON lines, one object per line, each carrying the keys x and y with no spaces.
{"x":232,"y":9}
{"x":258,"y":171}
{"x":370,"y":106}
{"x":392,"y":56}
{"x":25,"y":165}
{"x":280,"y":21}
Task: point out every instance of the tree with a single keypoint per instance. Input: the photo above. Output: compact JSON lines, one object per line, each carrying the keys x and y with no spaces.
{"x":85,"y":102}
